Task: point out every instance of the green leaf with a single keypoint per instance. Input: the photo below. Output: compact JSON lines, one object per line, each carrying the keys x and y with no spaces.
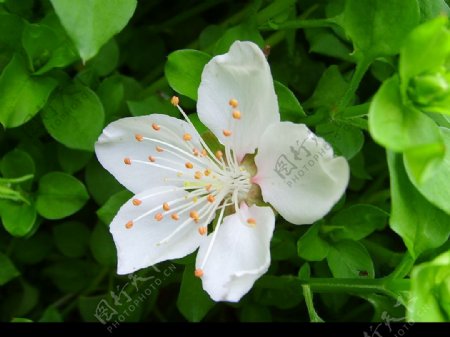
{"x":18,"y":163}
{"x":246,"y":31}
{"x":47,"y":48}
{"x":71,"y":275}
{"x":106,"y":60}
{"x":429,"y":9}
{"x":311,"y":246}
{"x":102,"y":246}
{"x":283,"y":292}
{"x":421,"y":225}
{"x":91,"y":23}
{"x":74,"y":117}
{"x":18,"y":218}
{"x":350,"y":259}
{"x":11,"y":27}
{"x":60,"y":195}
{"x":72,"y":161}
{"x":430,"y":291}
{"x":358,"y":221}
{"x":152,"y":104}
{"x":184,"y":69}
{"x":346,"y":140}
{"x":71,"y":238}
{"x":378,"y":27}
{"x":51,"y":314}
{"x":283,"y":245}
{"x":22,"y":95}
{"x":108,"y":211}
{"x":8,"y":271}
{"x":290,"y":108}
{"x":34,"y":249}
{"x":255,"y":313}
{"x":100,"y":183}
{"x":193,"y":302}
{"x":435,"y":188}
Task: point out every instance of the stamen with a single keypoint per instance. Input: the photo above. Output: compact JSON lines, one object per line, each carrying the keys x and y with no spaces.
{"x":204,"y":153}
{"x":152,"y":159}
{"x":156,"y":127}
{"x":127,"y":161}
{"x":175,"y":216}
{"x":198,"y":273}
{"x":198,"y":175}
{"x":187,"y":137}
{"x":136,"y":202}
{"x":233,"y":102}
{"x":166,"y":207}
{"x":175,"y":100}
{"x":211,"y":198}
{"x":195,"y":152}
{"x":236,"y":114}
{"x":207,"y":172}
{"x":219,"y":154}
{"x":129,"y":224}
{"x":227,"y":133}
{"x":251,"y":221}
{"x":159,"y":149}
{"x":194,"y":215}
{"x":139,"y":137}
{"x":202,"y":230}
{"x":158,"y":216}
{"x":208,"y":187}
{"x":189,"y":165}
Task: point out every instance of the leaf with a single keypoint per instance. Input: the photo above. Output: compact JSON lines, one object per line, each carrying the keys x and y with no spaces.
{"x":18,"y":218}
{"x":91,"y":23}
{"x":100,"y":183}
{"x":378,"y":27}
{"x":72,"y":161}
{"x":429,"y":9}
{"x":430,"y":291}
{"x":152,"y":104}
{"x":283,"y":245}
{"x":11,"y":27}
{"x":290,"y":108}
{"x":346,"y":140}
{"x":421,"y":225}
{"x":437,"y":186}
{"x":311,"y":246}
{"x":358,"y":221}
{"x":74,"y":117}
{"x":18,"y":163}
{"x":193,"y":302}
{"x":102,"y":246}
{"x":70,"y":275}
{"x":283,"y":292}
{"x":255,"y":313}
{"x":184,"y":69}
{"x":246,"y":31}
{"x":108,"y":211}
{"x":71,"y":238}
{"x":22,"y":95}
{"x":51,"y":314}
{"x":347,"y":259}
{"x":60,"y":195}
{"x":8,"y":271}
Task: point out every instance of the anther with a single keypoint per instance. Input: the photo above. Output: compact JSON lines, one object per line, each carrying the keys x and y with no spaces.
{"x":139,"y":137}
{"x":194,"y":215}
{"x":195,"y":151}
{"x":187,"y":136}
{"x":233,"y":102}
{"x":129,"y":224}
{"x":208,"y":187}
{"x":227,"y":133}
{"x":198,"y":175}
{"x":156,"y":127}
{"x":159,"y":149}
{"x":189,"y":165}
{"x":175,"y":216}
{"x":202,"y":230}
{"x":207,"y":172}
{"x":152,"y":159}
{"x":236,"y":114}
{"x":158,"y":216}
{"x":198,"y":273}
{"x":127,"y":161}
{"x":136,"y":202}
{"x":211,"y":198}
{"x":251,"y":221}
{"x":166,"y":207}
{"x":204,"y":153}
{"x":219,"y":154}
{"x":175,"y":100}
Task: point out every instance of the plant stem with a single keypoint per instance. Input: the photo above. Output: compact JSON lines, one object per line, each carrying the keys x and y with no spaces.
{"x":403,"y":268}
{"x":299,"y":23}
{"x":313,"y":316}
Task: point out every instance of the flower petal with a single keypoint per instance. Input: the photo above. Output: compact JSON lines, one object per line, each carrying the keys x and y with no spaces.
{"x":145,"y":233}
{"x":141,"y":152}
{"x":298,"y":174}
{"x":239,"y":255}
{"x":242,"y":74}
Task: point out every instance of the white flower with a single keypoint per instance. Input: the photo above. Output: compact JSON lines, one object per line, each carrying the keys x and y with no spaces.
{"x":181,"y":185}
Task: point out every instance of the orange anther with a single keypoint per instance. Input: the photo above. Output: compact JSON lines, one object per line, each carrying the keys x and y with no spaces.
{"x":136,"y":202}
{"x":219,"y":154}
{"x":198,"y":175}
{"x":152,"y":159}
{"x":211,"y":198}
{"x":158,"y":216}
{"x":207,"y":172}
{"x":198,"y":273}
{"x":129,"y":224}
{"x":159,"y":149}
{"x":251,"y":221}
{"x":194,"y":215}
{"x":127,"y":161}
{"x":202,"y":230}
{"x":166,"y":206}
{"x":208,"y":187}
{"x":195,"y":152}
{"x":236,"y":114}
{"x":156,"y":127}
{"x":233,"y":102}
{"x":187,"y":137}
{"x":139,"y":137}
{"x":175,"y":100}
{"x":227,"y":133}
{"x":175,"y":216}
{"x":189,"y":165}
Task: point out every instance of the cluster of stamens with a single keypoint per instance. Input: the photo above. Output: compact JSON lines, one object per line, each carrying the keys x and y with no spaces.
{"x":212,"y":182}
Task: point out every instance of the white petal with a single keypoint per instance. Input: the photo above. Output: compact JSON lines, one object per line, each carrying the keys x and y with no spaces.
{"x":298,"y":174}
{"x":239,"y":256}
{"x":149,"y":241}
{"x":118,"y":141}
{"x":242,"y":74}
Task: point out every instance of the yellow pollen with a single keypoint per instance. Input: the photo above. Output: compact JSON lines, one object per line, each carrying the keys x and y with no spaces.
{"x":251,"y":221}
{"x":189,"y":165}
{"x":166,"y":206}
{"x":198,"y":175}
{"x":175,"y":100}
{"x":211,"y":198}
{"x":198,"y":273}
{"x":156,"y":127}
{"x":207,"y":172}
{"x":194,"y":215}
{"x":227,"y":133}
{"x":187,"y":137}
{"x":139,"y":137}
{"x":175,"y":216}
{"x":208,"y":187}
{"x":202,"y":230}
{"x":158,"y":216}
{"x":159,"y":149}
{"x":136,"y":202}
{"x":219,"y":154}
{"x":152,"y":159}
{"x":129,"y":224}
{"x":236,"y":114}
{"x":194,"y":199}
{"x":127,"y":161}
{"x":233,"y":102}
